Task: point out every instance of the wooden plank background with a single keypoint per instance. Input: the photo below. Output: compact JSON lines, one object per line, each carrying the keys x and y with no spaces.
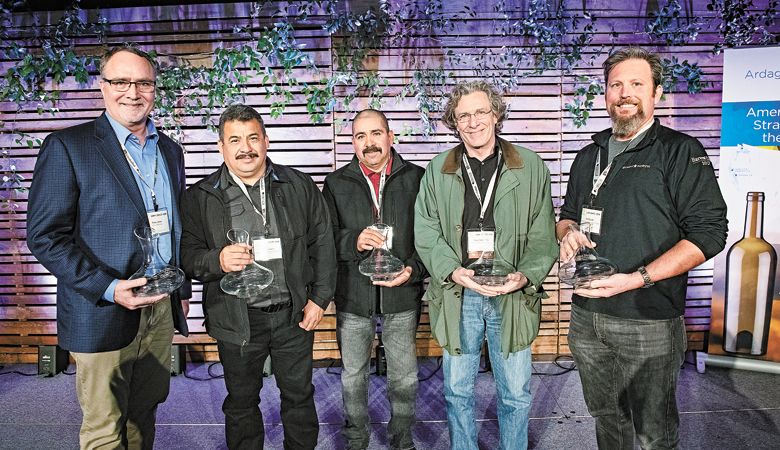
{"x":537,"y":119}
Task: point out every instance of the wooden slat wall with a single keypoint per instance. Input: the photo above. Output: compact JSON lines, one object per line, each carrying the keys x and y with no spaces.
{"x":538,"y":120}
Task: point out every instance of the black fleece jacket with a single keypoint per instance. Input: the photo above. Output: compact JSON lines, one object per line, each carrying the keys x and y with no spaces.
{"x":660,"y":192}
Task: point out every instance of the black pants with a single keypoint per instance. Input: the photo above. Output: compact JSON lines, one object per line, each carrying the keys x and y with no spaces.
{"x":290,"y":348}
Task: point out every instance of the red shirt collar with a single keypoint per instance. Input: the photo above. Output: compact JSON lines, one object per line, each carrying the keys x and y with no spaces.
{"x":369,"y":173}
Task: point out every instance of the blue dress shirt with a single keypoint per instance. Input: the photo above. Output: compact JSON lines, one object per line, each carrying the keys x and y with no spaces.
{"x":145,"y":158}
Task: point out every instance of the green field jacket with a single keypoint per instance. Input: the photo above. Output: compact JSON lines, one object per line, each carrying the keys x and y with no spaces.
{"x":525,"y":239}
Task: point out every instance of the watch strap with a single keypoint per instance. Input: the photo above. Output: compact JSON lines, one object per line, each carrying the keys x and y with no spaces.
{"x":645,"y":277}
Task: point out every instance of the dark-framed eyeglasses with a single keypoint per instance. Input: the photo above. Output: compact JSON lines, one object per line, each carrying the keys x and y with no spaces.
{"x":144,"y":86}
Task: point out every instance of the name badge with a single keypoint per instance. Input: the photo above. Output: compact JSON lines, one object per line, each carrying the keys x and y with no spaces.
{"x":266,"y":249}
{"x":158,"y":221}
{"x":591,"y":218}
{"x":479,"y":242}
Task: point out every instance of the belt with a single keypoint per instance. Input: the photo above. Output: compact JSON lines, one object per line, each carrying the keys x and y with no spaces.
{"x":276,"y":307}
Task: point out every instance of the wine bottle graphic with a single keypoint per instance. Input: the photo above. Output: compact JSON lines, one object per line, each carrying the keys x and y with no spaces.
{"x":750,"y":275}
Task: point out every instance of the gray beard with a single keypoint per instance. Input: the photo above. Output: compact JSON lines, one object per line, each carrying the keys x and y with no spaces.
{"x":626,"y":127}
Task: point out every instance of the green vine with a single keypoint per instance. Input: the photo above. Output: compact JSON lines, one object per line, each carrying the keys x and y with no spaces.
{"x":740,"y":26}
{"x":671,"y":26}
{"x":585,"y":93}
{"x":547,"y":37}
{"x":49,"y":55}
{"x":676,"y":72}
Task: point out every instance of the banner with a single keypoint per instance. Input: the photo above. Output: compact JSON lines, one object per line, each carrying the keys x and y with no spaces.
{"x":746,"y":283}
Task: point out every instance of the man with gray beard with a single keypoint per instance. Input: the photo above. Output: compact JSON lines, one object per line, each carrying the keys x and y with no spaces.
{"x":651,"y":201}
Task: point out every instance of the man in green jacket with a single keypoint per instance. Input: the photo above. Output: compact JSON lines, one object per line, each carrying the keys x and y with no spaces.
{"x":485,"y":197}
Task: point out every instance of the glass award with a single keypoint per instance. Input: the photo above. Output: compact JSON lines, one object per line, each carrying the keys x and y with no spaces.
{"x":249,"y":282}
{"x":161,"y":279}
{"x":489,"y":271}
{"x":586,"y":265}
{"x":381,"y":265}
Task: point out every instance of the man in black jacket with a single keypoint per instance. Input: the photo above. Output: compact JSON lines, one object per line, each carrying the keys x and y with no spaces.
{"x":287,"y":221}
{"x":377,"y":186}
{"x":653,"y":207}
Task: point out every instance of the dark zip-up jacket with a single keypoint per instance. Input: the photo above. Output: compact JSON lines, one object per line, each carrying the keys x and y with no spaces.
{"x":660,"y":192}
{"x":351,"y":210}
{"x":307,"y":247}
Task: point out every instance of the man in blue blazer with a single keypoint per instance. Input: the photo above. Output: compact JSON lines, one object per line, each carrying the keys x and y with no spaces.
{"x":93,"y":185}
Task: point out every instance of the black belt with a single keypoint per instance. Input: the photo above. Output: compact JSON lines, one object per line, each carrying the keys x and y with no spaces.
{"x":276,"y":307}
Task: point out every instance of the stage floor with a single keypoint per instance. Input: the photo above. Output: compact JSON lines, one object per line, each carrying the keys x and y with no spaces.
{"x":720,"y":409}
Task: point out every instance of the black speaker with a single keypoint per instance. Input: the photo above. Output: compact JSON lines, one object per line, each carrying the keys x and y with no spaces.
{"x":178,"y":359}
{"x":51,"y":360}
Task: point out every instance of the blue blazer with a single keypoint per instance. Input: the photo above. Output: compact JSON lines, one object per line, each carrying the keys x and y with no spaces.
{"x":83,"y":206}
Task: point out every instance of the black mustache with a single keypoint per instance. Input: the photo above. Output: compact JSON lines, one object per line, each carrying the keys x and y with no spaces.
{"x":372,"y":148}
{"x":247,"y":155}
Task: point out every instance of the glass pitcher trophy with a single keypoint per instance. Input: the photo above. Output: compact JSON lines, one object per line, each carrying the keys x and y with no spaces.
{"x":248,"y":282}
{"x":381,"y":265}
{"x":161,"y":279}
{"x":586,"y":265}
{"x":489,"y":271}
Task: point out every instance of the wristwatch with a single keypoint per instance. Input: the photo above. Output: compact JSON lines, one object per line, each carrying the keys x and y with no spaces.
{"x":645,"y":277}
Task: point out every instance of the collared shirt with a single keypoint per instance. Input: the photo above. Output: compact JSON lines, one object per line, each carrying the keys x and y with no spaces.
{"x":375,"y":176}
{"x":145,"y":158}
{"x":483,"y":171}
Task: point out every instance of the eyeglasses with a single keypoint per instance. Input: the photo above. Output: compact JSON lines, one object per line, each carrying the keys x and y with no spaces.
{"x":479,"y":114}
{"x":144,"y":86}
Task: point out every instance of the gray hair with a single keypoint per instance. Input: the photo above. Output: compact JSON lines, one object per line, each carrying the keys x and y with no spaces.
{"x":497,"y":104}
{"x":241,"y":113}
{"x":626,"y":53}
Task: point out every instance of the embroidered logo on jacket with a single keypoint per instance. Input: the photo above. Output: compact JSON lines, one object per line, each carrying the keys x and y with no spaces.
{"x":637,"y":166}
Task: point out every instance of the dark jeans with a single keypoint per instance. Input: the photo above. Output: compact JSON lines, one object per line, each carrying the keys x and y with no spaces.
{"x":290,"y":348}
{"x":629,"y":370}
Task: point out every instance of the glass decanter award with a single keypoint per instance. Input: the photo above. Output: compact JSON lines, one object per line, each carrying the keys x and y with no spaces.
{"x":248,"y":282}
{"x":489,"y":271}
{"x":586,"y":265}
{"x":161,"y":279}
{"x":381,"y":265}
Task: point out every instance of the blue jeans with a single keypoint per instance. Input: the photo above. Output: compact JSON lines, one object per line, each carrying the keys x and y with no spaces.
{"x":479,"y":318}
{"x":629,"y":370}
{"x":355,"y":336}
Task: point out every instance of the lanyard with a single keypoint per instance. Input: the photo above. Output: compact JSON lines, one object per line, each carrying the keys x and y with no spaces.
{"x":377,"y":197}
{"x":475,"y":187}
{"x":599,"y":181}
{"x":132,"y":163}
{"x":262,"y":212}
